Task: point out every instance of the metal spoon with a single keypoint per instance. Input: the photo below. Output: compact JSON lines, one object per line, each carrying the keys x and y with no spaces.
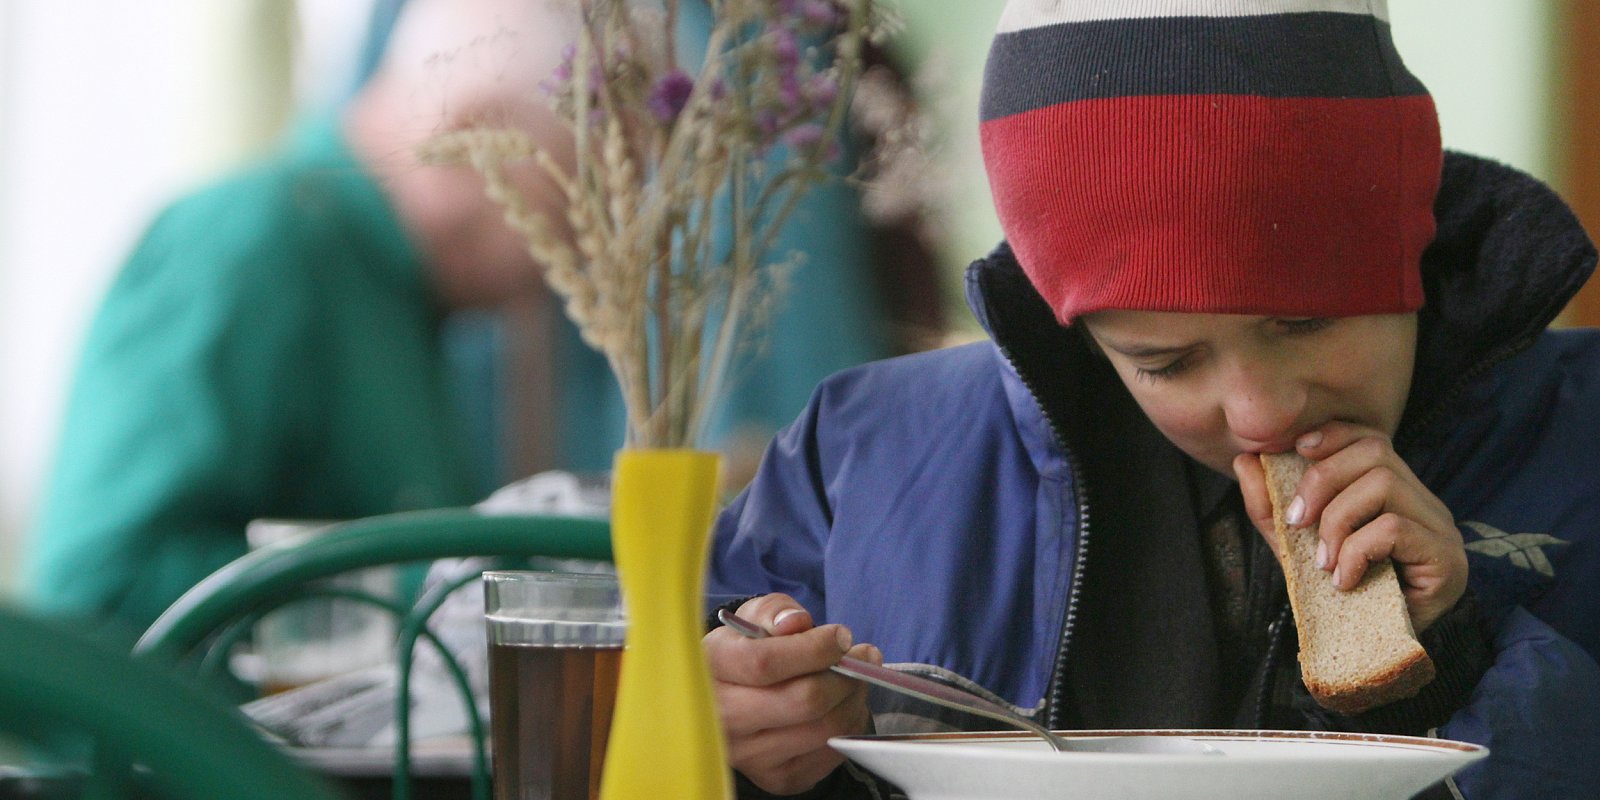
{"x":951,"y":697}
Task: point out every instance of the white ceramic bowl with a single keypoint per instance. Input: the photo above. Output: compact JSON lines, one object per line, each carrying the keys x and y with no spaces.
{"x":1285,"y":765}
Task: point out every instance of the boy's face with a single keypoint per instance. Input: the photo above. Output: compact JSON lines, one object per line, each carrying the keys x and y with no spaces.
{"x":1222,"y":384}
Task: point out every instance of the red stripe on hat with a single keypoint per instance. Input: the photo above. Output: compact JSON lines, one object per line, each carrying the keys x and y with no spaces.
{"x":1219,"y":203}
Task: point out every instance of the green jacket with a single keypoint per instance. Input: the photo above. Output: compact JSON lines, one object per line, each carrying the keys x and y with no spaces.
{"x":270,"y":349}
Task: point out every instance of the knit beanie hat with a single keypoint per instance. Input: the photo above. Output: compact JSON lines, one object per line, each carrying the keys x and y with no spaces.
{"x":1222,"y":156}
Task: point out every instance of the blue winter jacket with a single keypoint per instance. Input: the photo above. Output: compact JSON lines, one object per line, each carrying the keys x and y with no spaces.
{"x":949,"y":508}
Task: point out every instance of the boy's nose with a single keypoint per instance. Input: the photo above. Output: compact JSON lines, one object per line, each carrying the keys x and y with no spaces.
{"x":1263,"y":409}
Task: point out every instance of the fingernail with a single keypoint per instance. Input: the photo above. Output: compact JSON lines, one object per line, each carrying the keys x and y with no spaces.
{"x":1297,"y":510}
{"x":845,"y":639}
{"x":1337,"y":579}
{"x":1309,"y":440}
{"x":783,"y":615}
{"x":1322,"y":554}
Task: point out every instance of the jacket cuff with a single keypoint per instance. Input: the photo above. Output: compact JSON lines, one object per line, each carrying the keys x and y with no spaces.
{"x":1462,"y":648}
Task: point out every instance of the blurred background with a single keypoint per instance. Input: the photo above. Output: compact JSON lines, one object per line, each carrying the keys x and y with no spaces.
{"x":109,"y":110}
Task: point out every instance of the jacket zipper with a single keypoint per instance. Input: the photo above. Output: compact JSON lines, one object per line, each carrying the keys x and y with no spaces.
{"x":1052,"y":710}
{"x":1274,"y":637}
{"x":1051,"y":713}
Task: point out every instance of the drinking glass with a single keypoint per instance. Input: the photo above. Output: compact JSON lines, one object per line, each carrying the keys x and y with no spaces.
{"x":555,"y":651}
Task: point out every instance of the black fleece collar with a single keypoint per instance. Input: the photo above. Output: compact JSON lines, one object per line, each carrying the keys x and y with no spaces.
{"x":1508,"y":256}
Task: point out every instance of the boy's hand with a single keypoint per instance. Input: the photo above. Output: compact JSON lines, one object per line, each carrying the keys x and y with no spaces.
{"x":778,"y":701}
{"x":1369,"y":506}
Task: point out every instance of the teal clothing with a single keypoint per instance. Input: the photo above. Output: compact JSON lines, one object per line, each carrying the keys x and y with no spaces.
{"x":270,"y":349}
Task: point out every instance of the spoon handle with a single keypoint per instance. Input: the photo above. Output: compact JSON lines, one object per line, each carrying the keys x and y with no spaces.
{"x":913,"y":685}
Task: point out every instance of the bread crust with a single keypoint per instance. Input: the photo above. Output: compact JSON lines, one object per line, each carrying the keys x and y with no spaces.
{"x":1377,"y":659}
{"x":1400,"y":680}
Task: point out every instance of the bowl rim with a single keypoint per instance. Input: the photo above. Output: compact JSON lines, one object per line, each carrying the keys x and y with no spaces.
{"x":1346,"y":737}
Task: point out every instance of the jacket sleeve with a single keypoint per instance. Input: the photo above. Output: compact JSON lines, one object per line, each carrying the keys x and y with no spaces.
{"x":773,"y":537}
{"x":1537,"y":709}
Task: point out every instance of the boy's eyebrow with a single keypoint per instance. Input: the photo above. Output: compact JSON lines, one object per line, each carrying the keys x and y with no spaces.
{"x":1148,"y":351}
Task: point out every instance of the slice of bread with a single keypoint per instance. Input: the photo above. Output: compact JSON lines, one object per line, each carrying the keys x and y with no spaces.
{"x":1357,"y":648}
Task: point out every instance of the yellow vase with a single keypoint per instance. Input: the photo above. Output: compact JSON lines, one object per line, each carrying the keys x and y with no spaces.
{"x":666,"y":741}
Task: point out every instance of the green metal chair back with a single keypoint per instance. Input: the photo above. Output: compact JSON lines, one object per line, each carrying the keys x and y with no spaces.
{"x":209,"y":619}
{"x":190,"y":744}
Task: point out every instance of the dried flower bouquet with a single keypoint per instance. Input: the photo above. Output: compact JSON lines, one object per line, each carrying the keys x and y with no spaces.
{"x":663,"y":156}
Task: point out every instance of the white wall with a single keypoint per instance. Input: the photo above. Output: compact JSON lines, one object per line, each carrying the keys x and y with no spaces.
{"x":100,"y":112}
{"x":108,"y":110}
{"x":1487,"y":63}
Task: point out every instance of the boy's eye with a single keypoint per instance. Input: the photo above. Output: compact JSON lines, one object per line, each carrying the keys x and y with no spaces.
{"x":1171,"y":370}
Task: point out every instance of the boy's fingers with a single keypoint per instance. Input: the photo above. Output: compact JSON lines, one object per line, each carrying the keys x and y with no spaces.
{"x":1257,"y":502}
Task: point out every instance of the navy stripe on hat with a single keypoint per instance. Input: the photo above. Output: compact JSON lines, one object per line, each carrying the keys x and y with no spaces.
{"x":1317,"y":54}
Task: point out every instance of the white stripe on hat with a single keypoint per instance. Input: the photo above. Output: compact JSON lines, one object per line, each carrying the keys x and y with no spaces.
{"x":1023,"y":14}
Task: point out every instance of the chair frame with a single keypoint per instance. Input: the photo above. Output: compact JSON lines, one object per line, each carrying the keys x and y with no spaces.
{"x":131,"y":710}
{"x":214,"y":615}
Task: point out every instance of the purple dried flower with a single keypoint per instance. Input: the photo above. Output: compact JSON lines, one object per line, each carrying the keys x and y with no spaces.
{"x":561,"y":77}
{"x":819,"y":13}
{"x":767,"y":123}
{"x":823,"y":90}
{"x":785,"y":47}
{"x":804,"y":136}
{"x":670,"y":94}
{"x":789,"y":94}
{"x":789,"y":8}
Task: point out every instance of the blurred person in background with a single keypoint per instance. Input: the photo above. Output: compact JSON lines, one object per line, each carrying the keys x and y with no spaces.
{"x":271,"y":346}
{"x":275,"y":345}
